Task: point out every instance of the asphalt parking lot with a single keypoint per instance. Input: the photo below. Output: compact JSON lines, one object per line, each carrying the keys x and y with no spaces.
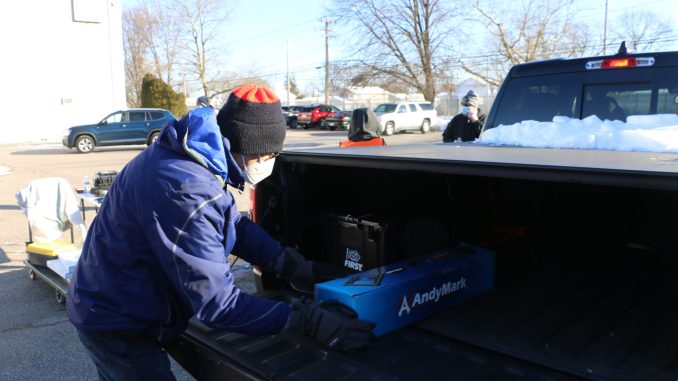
{"x":39,"y":342}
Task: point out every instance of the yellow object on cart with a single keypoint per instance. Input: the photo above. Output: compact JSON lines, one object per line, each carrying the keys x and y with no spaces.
{"x":40,"y":253}
{"x":52,"y":248}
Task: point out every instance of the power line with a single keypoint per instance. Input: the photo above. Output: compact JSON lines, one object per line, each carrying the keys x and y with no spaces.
{"x":267,"y":36}
{"x":457,"y":58}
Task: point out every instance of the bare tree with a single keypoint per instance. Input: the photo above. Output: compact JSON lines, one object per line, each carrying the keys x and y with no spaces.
{"x":135,"y":44}
{"x":644,"y":30}
{"x":400,"y":39}
{"x":294,"y":88}
{"x":527,"y":31}
{"x":202,"y":20}
{"x":341,"y":78}
{"x":222,"y":86}
{"x":163,"y":32}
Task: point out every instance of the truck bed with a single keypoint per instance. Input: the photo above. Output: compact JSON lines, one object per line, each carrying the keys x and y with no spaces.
{"x":557,"y":314}
{"x":585,"y":262}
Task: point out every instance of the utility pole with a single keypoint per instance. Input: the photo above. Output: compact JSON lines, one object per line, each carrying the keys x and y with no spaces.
{"x":288,"y":72}
{"x":605,"y":31}
{"x":327,"y":61}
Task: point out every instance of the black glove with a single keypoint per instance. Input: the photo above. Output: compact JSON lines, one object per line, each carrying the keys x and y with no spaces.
{"x":303,"y":274}
{"x":334,"y":325}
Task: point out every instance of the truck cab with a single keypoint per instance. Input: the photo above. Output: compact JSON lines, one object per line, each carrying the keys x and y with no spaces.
{"x":611,"y":88}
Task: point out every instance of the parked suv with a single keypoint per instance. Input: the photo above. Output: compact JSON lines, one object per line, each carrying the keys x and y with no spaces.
{"x":404,"y":116}
{"x":124,"y":127}
{"x":290,"y":114}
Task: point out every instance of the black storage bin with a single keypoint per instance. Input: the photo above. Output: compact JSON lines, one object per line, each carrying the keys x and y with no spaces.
{"x":355,"y":243}
{"x":103,"y":181}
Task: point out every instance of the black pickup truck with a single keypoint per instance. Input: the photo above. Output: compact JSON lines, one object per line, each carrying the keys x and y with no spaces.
{"x":586,"y":243}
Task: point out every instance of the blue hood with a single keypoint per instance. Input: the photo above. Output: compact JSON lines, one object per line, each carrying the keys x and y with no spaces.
{"x":197,"y":136}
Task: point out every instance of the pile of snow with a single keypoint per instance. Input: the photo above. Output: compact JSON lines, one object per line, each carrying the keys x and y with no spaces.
{"x":654,"y":133}
{"x":443,"y":121}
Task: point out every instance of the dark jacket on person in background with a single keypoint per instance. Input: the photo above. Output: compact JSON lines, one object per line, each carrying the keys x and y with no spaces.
{"x":364,"y":125}
{"x":461,"y":127}
{"x":156,"y":253}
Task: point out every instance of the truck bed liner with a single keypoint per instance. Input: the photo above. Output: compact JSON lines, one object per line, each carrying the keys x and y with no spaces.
{"x":407,"y":354}
{"x":582,"y":312}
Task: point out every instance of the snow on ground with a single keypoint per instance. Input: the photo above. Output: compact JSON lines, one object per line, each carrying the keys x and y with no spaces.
{"x":4,"y":170}
{"x":654,"y":133}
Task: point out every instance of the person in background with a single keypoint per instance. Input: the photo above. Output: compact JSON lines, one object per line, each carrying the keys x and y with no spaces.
{"x":363,"y":130}
{"x":466,"y":125}
{"x":157,"y":252}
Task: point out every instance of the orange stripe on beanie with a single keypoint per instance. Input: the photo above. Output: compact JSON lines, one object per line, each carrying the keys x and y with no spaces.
{"x":252,"y":120}
{"x":253,"y":93}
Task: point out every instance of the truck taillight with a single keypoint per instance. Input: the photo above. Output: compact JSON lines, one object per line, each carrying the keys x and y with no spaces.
{"x":617,"y":63}
{"x":253,"y":204}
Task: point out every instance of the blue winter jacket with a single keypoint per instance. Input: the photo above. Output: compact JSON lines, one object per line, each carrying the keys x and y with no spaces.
{"x":156,"y":253}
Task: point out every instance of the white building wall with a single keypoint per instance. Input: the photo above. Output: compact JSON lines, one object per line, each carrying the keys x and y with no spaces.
{"x":62,"y":65}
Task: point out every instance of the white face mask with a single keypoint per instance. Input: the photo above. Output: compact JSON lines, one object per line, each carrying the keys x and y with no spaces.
{"x":259,"y":170}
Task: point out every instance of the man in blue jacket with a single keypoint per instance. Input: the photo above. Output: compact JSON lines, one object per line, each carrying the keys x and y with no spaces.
{"x":156,"y":253}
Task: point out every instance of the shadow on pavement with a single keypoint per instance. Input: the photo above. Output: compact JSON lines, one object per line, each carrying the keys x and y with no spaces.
{"x":329,"y":133}
{"x":66,"y":151}
{"x":43,"y":151}
{"x":3,"y":256}
{"x":9,"y":207}
{"x":303,"y":145}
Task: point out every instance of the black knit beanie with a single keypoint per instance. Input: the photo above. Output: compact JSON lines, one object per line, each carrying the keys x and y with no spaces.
{"x":252,"y":121}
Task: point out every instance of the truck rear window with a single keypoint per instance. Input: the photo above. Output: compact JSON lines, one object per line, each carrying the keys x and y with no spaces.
{"x":613,"y":96}
{"x":619,"y":100}
{"x":667,"y":96}
{"x":539,"y":98}
{"x":616,"y":101}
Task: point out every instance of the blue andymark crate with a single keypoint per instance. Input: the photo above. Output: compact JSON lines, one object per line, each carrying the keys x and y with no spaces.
{"x":403,"y":293}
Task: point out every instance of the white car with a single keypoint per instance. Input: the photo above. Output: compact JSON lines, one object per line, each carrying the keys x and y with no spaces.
{"x":406,"y":116}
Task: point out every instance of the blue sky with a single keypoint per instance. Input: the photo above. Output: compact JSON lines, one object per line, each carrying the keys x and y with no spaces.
{"x":257,"y":35}
{"x":269,"y":25}
{"x":256,"y":39}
